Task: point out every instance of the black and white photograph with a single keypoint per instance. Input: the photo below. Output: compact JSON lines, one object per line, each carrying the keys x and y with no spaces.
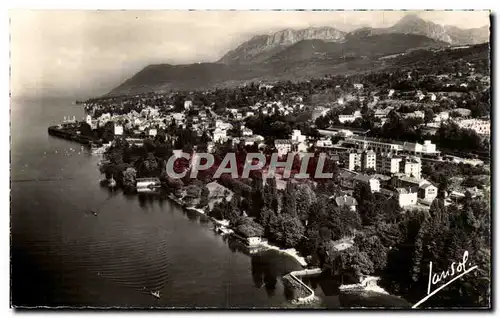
{"x":251,"y":159}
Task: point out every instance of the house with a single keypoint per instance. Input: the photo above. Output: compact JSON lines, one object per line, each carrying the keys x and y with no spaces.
{"x":442,"y":116}
{"x":427,"y":192}
{"x":249,"y":114}
{"x":118,"y":130}
{"x":346,"y":178}
{"x":406,"y":197}
{"x":388,"y":163}
{"x":178,"y":117}
{"x":481,"y":127}
{"x":324,"y":143}
{"x":188,"y":104}
{"x":219,"y":135}
{"x":369,"y":160}
{"x":373,"y":183}
{"x":147,"y":184}
{"x":412,"y":167}
{"x":210,"y":147}
{"x":391,"y":92}
{"x":283,"y":146}
{"x":350,"y":118}
{"x":302,"y":147}
{"x":246,"y":132}
{"x":346,"y":200}
{"x":358,"y":86}
{"x":463,"y":112}
{"x":152,"y":132}
{"x":297,"y":136}
{"x":403,"y":181}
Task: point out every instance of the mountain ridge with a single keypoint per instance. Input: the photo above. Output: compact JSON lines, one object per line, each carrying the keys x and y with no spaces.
{"x":291,"y":54}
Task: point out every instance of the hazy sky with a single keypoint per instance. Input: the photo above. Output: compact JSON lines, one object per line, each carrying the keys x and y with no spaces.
{"x":90,"y":52}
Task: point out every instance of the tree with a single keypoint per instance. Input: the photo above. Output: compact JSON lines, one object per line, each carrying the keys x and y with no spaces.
{"x":129,"y":178}
{"x":428,"y":115}
{"x":305,"y":197}
{"x":289,"y":205}
{"x":286,"y":230}
{"x":204,"y":197}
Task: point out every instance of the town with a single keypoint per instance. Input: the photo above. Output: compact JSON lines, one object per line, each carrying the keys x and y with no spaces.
{"x":408,"y":150}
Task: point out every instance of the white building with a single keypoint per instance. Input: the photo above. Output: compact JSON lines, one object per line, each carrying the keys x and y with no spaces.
{"x":297,"y":136}
{"x":210,"y":147}
{"x":406,"y":197}
{"x":219,"y":135}
{"x":388,"y":163}
{"x":350,"y":118}
{"x":413,"y":168}
{"x":152,"y":132}
{"x":178,"y":117}
{"x":369,"y":160}
{"x":246,"y":132}
{"x":481,"y":127}
{"x":364,"y":160}
{"x":428,"y":192}
{"x":283,"y":146}
{"x":302,"y":147}
{"x":188,"y":104}
{"x":373,"y":183}
{"x":358,"y":86}
{"x":118,"y":130}
{"x":442,"y":116}
{"x":324,"y":143}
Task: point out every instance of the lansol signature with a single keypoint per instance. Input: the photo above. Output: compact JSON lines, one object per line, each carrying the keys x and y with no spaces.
{"x":436,"y":278}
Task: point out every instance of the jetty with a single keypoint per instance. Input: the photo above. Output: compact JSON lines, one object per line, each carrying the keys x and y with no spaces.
{"x":305,"y":294}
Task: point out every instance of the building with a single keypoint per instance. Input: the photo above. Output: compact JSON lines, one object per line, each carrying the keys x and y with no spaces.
{"x":388,"y":163}
{"x":358,"y":86}
{"x":442,"y":116}
{"x":188,"y":104}
{"x":377,"y":145}
{"x":346,"y":200}
{"x":415,"y":114}
{"x":302,"y":147}
{"x":210,"y":147}
{"x":369,"y":160}
{"x":118,"y":130}
{"x":427,"y":192}
{"x":147,"y":184}
{"x":283,"y":146}
{"x":464,"y":112}
{"x":373,"y":183}
{"x":324,"y":143}
{"x":297,"y":136}
{"x":246,"y":132}
{"x":481,"y":127}
{"x":412,"y":167}
{"x":152,"y":132}
{"x":406,"y":197}
{"x":364,"y":160}
{"x":403,"y":181}
{"x":219,"y":135}
{"x":350,"y":118}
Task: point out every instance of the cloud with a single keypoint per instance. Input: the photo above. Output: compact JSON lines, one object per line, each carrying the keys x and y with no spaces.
{"x":90,"y":52}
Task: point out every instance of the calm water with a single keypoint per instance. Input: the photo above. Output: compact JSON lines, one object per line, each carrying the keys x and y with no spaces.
{"x":62,"y":255}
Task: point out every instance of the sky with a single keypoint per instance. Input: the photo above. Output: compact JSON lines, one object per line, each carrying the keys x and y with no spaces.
{"x":88,"y":53}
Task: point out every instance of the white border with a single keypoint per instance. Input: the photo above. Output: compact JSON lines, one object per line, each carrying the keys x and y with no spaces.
{"x":186,"y":4}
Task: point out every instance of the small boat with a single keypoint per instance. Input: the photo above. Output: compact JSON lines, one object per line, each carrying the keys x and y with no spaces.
{"x":94,"y":212}
{"x":156,"y":294}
